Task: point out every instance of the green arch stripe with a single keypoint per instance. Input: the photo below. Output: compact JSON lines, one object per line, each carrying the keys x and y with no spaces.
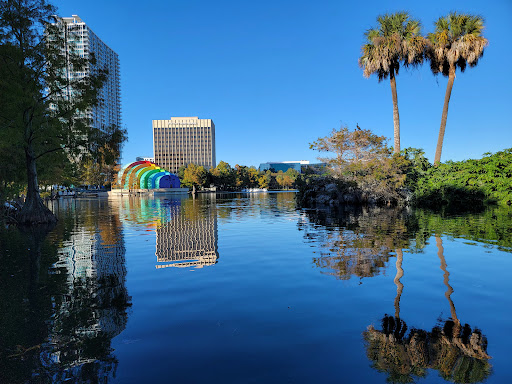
{"x":144,"y":180}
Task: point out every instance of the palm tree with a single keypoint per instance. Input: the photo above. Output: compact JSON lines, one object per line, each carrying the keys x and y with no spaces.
{"x":456,"y":42}
{"x":396,"y":41}
{"x":399,"y":284}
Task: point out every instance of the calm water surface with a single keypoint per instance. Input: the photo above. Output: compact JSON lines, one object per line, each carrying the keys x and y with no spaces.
{"x":249,"y":289}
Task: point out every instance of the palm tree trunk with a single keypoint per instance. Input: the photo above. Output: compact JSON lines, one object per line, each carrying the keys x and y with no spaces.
{"x":399,"y":285}
{"x":439,"y":148}
{"x":446,"y":279}
{"x":396,"y":117}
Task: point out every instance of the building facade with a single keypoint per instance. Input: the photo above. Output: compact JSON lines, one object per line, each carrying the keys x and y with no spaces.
{"x":276,"y":166}
{"x":141,"y":158}
{"x":184,"y":140}
{"x":80,"y":38}
{"x":300,"y":166}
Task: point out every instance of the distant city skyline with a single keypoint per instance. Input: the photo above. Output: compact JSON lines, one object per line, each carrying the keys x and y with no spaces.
{"x":275,"y":76}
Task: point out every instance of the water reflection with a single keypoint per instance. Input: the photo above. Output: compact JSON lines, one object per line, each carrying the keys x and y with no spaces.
{"x":187,"y":235}
{"x":67,"y":298}
{"x":458,"y":352}
{"x":359,"y":241}
{"x":186,"y":229}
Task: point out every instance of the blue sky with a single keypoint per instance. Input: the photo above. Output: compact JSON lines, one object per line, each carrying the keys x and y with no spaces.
{"x":276,"y":75}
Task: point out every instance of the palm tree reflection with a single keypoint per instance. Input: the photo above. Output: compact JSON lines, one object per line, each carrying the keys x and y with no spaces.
{"x":458,"y":352}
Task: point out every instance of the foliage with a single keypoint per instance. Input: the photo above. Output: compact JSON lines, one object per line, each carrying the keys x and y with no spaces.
{"x":227,"y":178}
{"x":223,"y":176}
{"x":352,"y":149}
{"x":194,"y":176}
{"x":363,"y":159}
{"x":466,"y":183}
{"x":397,"y":41}
{"x":456,"y":42}
{"x":245,"y":177}
{"x":44,"y":110}
{"x":286,"y":180}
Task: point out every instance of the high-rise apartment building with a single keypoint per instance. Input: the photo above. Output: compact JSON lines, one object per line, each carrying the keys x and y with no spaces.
{"x":184,"y":140}
{"x":83,"y":40}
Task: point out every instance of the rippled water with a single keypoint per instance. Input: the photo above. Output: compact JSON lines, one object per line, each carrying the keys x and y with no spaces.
{"x":249,"y":289}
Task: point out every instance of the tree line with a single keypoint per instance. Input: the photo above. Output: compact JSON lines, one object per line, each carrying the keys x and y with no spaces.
{"x":227,"y":178}
{"x":456,"y":42}
{"x":365,"y":170}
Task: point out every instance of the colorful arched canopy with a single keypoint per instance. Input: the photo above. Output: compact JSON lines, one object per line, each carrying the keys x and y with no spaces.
{"x":146,"y":175}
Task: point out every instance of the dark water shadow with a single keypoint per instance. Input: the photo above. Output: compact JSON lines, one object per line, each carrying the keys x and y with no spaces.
{"x":65,"y":299}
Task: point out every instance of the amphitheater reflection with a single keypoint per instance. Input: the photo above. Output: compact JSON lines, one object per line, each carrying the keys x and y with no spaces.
{"x":186,"y":229}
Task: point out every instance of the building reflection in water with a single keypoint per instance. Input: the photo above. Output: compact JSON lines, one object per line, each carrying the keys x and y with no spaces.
{"x":186,"y":228}
{"x":360,"y":243}
{"x":93,"y":308}
{"x":187,"y":235}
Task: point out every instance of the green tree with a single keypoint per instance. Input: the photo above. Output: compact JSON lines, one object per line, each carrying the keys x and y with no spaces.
{"x":284,"y":180}
{"x":242,"y":176}
{"x":223,"y":176}
{"x":396,"y":41}
{"x":265,"y":180}
{"x":194,"y":176}
{"x":42,"y":109}
{"x":181,"y":172}
{"x":91,"y":173}
{"x":456,"y":42}
{"x":254,"y":175}
{"x":354,"y":150}
{"x":363,"y":158}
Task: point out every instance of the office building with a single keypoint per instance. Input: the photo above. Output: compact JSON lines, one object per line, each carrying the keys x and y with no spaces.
{"x":300,"y":166}
{"x":184,"y":140}
{"x":187,"y":238}
{"x":80,"y":38}
{"x":142,"y":158}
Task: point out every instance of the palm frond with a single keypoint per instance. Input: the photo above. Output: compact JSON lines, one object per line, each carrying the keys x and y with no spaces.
{"x":396,"y":41}
{"x":456,"y":42}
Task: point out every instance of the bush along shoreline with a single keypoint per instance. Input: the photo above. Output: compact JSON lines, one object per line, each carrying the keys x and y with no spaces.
{"x":409,"y":179}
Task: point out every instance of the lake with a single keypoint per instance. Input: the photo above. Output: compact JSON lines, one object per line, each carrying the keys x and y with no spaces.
{"x":247,"y":288}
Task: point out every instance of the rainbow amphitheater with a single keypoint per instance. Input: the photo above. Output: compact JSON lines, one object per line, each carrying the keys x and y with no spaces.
{"x":146,"y":177}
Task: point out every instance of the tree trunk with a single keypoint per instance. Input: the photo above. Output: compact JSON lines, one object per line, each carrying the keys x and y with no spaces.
{"x":399,"y":285}
{"x":444,"y":117}
{"x":446,"y":279}
{"x":33,"y":211}
{"x":396,"y":116}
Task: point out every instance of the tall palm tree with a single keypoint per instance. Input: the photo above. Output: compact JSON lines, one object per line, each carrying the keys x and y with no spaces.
{"x":396,"y":41}
{"x":456,"y":42}
{"x":399,"y":284}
